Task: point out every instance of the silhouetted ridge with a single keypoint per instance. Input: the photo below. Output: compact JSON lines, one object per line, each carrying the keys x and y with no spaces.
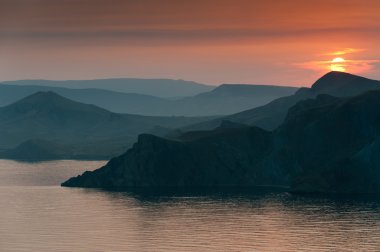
{"x":334,"y":78}
{"x":49,"y":98}
{"x":343,"y":84}
{"x":248,"y":90}
{"x":320,"y":101}
{"x":271,"y":115}
{"x":225,"y":124}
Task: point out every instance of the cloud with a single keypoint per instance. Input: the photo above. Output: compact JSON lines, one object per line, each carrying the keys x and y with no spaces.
{"x":345,"y":51}
{"x":170,"y":21}
{"x":361,"y":66}
{"x":235,"y":37}
{"x":338,"y":63}
{"x":172,"y":36}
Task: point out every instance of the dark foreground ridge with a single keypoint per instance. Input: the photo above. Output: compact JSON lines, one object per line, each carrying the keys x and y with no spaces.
{"x":326,"y":145}
{"x":273,"y":114}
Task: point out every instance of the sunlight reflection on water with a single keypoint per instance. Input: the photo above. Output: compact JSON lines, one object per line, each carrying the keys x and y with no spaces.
{"x":37,"y":215}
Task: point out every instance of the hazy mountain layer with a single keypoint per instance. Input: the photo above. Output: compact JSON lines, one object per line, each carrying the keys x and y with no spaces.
{"x":230,"y":98}
{"x":223,"y":100}
{"x":154,"y":87}
{"x":114,"y":101}
{"x":82,"y":130}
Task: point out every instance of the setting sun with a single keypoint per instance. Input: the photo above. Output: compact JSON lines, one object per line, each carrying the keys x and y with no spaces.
{"x":338,"y":64}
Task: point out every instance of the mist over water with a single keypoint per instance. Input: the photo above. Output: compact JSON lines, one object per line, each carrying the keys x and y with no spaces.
{"x":38,"y":215}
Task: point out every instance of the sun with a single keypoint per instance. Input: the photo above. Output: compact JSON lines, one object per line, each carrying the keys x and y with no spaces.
{"x":338,"y":64}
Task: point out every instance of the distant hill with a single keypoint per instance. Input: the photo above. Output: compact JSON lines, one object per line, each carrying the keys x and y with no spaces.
{"x":231,"y":98}
{"x":85,"y":130}
{"x":273,"y":114}
{"x":324,"y":145}
{"x":223,"y":100}
{"x":153,"y":87}
{"x":117,"y":102}
{"x":36,"y":150}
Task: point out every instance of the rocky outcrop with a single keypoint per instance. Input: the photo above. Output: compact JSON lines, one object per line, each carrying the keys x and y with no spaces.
{"x":334,"y":147}
{"x":228,"y":158}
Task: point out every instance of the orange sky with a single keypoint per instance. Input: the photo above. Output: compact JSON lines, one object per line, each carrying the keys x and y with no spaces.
{"x":209,"y":41}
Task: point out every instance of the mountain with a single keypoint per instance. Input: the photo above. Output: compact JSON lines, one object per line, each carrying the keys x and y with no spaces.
{"x":219,"y":159}
{"x":230,"y":98}
{"x":271,"y":115}
{"x":343,"y":84}
{"x":113,"y":101}
{"x":331,"y":144}
{"x":327,"y":144}
{"x":35,"y":150}
{"x":223,"y":100}
{"x":87,"y":130}
{"x":153,"y":87}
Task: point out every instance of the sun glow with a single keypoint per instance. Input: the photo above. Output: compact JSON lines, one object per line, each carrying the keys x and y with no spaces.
{"x":338,"y":64}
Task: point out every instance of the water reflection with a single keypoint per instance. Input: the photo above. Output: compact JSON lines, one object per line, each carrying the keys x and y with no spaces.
{"x":50,"y":218}
{"x":261,"y":221}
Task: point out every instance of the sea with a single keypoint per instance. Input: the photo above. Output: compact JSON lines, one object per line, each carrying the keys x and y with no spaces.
{"x":37,"y":214}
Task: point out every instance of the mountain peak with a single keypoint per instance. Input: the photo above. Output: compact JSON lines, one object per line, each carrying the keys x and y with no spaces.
{"x":43,"y":96}
{"x":337,"y":74}
{"x":341,"y":83}
{"x":333,"y":78}
{"x":47,"y":101}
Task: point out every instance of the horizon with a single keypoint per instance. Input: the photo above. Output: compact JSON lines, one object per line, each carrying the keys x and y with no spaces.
{"x":284,"y":43}
{"x":195,"y":82}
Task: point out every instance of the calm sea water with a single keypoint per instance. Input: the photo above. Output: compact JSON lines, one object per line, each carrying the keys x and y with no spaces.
{"x":38,"y":215}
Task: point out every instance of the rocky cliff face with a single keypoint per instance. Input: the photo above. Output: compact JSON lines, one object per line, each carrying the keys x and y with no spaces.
{"x":326,"y":144}
{"x":332,"y":147}
{"x":232,"y":157}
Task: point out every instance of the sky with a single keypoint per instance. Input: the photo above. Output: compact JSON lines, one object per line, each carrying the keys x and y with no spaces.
{"x":284,"y":42}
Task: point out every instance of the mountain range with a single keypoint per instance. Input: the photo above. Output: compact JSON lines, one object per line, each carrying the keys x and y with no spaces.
{"x":223,"y":100}
{"x":271,"y":115}
{"x":62,"y":128}
{"x":325,"y":144}
{"x":154,"y":87}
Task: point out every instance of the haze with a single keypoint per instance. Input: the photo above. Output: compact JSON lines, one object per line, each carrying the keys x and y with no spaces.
{"x":213,"y":42}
